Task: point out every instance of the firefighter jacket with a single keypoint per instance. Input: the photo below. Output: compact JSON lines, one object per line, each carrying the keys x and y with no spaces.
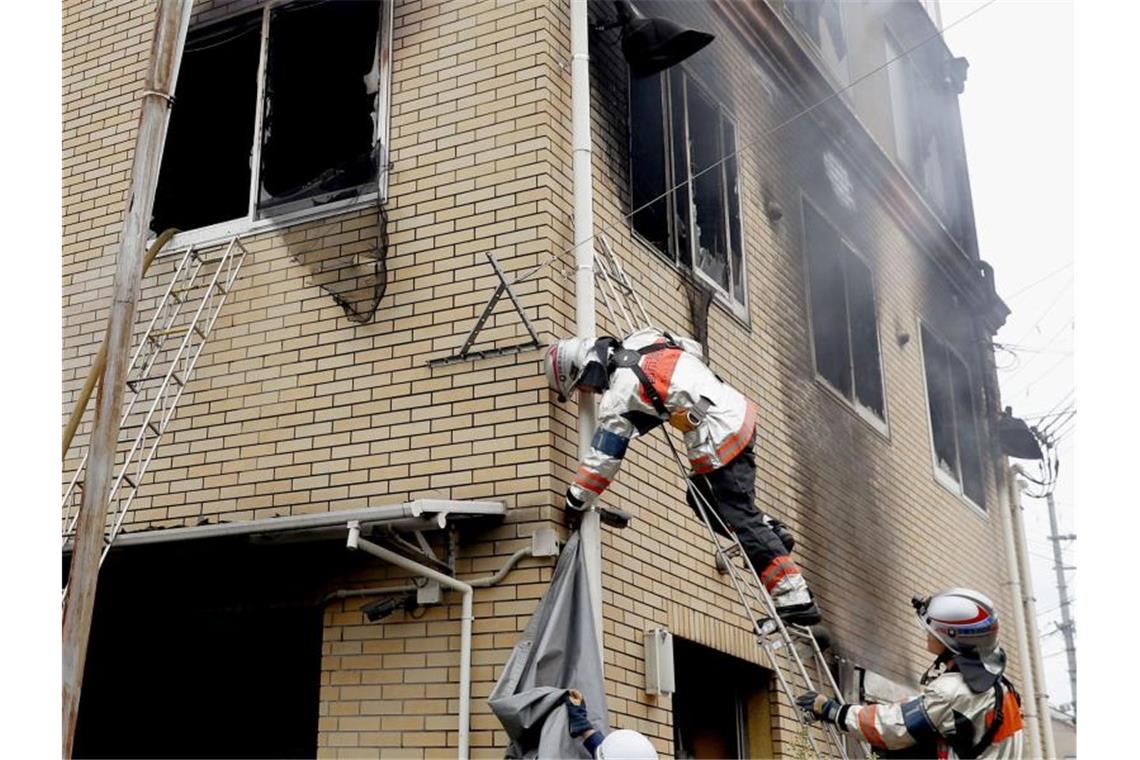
{"x":947,"y":720}
{"x":717,"y":420}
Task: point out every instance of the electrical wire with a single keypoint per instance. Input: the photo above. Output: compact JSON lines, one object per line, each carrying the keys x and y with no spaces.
{"x":1052,"y":338}
{"x":1048,"y":309}
{"x":1035,"y":283}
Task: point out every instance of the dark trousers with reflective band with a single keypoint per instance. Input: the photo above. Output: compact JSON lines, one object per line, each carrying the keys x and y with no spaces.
{"x":731,"y":492}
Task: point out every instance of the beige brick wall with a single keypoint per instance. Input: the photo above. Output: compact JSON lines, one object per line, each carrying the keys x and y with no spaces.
{"x":294,"y":409}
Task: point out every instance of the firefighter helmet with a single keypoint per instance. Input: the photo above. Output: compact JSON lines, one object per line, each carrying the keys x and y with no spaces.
{"x":565,"y":361}
{"x":625,"y":744}
{"x":962,"y":619}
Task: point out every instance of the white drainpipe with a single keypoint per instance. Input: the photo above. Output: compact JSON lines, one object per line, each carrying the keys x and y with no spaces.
{"x":1041,"y":696}
{"x":1017,"y":592}
{"x":356,"y":542}
{"x":591,"y":535}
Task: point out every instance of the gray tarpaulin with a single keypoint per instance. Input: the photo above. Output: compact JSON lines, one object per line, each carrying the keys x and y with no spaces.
{"x":557,"y":651}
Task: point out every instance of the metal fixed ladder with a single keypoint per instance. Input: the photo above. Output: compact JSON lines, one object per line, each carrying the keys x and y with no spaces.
{"x":160,"y":368}
{"x":782,"y":643}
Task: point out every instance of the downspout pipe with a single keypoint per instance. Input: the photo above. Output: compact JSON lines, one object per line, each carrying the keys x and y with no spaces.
{"x":355,"y":542}
{"x":586,"y":327}
{"x":1017,"y":592}
{"x":1041,"y":696}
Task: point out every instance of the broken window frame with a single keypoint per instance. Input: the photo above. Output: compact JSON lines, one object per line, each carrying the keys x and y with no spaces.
{"x":838,"y":67}
{"x":929,"y":340}
{"x":681,"y":208}
{"x":921,"y":128}
{"x":255,"y":221}
{"x":864,"y":412}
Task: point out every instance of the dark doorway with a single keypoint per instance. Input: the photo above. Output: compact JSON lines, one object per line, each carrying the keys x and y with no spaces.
{"x":205,"y":649}
{"x":720,"y":708}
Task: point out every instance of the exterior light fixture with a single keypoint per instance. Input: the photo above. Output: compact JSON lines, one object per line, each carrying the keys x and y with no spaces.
{"x":651,"y":45}
{"x":382,"y":608}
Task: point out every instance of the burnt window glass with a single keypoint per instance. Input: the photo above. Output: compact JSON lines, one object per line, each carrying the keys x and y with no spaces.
{"x":319,"y":94}
{"x":317,"y":128}
{"x":648,"y":159}
{"x":844,"y":325}
{"x":205,"y":173}
{"x":681,"y":144}
{"x":953,"y":417}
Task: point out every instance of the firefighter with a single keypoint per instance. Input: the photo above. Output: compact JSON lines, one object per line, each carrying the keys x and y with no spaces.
{"x":650,"y":378}
{"x":622,"y":744}
{"x":967,"y":708}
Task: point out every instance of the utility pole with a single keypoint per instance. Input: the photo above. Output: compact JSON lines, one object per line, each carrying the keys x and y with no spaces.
{"x":172,"y":21}
{"x":1066,"y":627}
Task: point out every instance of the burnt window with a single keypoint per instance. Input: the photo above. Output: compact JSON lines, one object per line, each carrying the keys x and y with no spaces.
{"x":276,"y":110}
{"x":822,"y":22}
{"x":681,"y":138}
{"x":920,"y":121}
{"x":844,"y":326}
{"x":953,"y":419}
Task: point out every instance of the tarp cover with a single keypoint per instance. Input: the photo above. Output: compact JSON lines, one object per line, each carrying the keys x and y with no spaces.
{"x":558,"y":651}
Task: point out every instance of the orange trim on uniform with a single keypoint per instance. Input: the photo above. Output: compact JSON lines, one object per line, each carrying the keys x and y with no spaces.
{"x":658,"y":367}
{"x":736,"y":442}
{"x":867,"y":726}
{"x":775,"y":571}
{"x":701,"y":464}
{"x":1011,"y":721}
{"x":590,"y":480}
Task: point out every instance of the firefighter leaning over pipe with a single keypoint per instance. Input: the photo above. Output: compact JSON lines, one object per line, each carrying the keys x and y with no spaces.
{"x":967,"y":708}
{"x":652,"y":377}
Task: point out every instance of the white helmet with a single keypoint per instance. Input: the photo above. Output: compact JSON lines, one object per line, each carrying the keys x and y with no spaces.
{"x":565,"y":362}
{"x":962,"y":619}
{"x":624,"y":744}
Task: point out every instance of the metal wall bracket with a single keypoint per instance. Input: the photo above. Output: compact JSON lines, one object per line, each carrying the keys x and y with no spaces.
{"x":465,"y":353}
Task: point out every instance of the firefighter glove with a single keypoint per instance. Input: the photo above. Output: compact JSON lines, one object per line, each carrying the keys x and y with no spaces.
{"x":819,"y":707}
{"x":782,"y":533}
{"x":576,"y":712}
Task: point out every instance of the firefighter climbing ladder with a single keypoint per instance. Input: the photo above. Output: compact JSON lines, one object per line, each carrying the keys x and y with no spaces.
{"x":777,"y":639}
{"x":159,"y":370}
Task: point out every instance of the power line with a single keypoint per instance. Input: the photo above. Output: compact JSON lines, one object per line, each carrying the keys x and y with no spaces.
{"x":1048,"y":310}
{"x":1054,"y":337}
{"x":1035,"y":283}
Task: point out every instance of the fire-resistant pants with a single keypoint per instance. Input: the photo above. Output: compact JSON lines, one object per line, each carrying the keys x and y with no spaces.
{"x":731,"y":491}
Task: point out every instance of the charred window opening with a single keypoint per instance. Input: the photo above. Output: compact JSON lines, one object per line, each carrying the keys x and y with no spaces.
{"x":844,"y":325}
{"x":721,"y":706}
{"x":205,"y":174}
{"x":953,"y":418}
{"x":315,"y":137}
{"x":921,"y":146}
{"x":681,"y":138}
{"x":822,"y":21}
{"x":320,"y":96}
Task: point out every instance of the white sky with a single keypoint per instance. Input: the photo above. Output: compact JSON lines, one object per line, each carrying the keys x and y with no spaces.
{"x":1017,"y":114}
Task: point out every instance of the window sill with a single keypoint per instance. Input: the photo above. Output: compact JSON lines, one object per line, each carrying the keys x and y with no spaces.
{"x":222,"y":232}
{"x":738,"y":312}
{"x":955,"y":488}
{"x":864,"y":415}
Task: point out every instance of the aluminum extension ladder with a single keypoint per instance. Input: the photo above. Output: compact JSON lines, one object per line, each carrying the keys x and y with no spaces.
{"x":782,"y":643}
{"x":160,"y":368}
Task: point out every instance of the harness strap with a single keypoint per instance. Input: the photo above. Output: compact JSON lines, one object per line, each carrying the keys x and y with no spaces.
{"x":968,"y":753}
{"x":624,"y":358}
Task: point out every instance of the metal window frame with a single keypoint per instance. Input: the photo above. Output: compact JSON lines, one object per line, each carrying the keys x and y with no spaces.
{"x":881,"y":425}
{"x":253,"y":222}
{"x":736,"y":303}
{"x":957,"y":485}
{"x":841,"y":70}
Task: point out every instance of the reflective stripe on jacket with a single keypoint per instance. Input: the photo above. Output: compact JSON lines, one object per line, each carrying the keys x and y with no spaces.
{"x":681,"y":379}
{"x":946,"y":709}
